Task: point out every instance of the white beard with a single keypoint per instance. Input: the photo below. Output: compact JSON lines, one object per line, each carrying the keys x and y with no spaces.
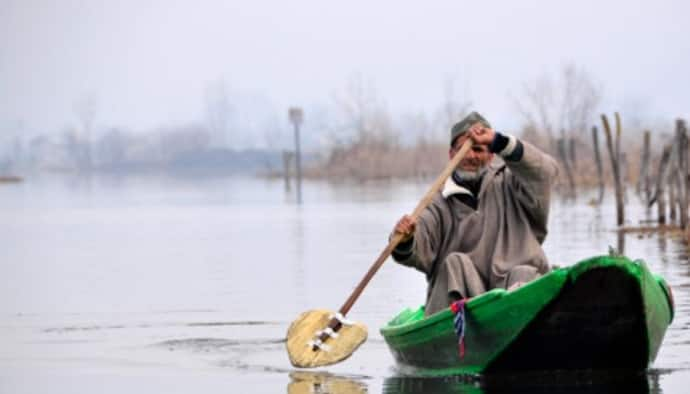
{"x":471,"y":176}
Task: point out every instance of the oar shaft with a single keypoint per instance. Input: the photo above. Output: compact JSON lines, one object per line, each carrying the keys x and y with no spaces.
{"x":395,"y":240}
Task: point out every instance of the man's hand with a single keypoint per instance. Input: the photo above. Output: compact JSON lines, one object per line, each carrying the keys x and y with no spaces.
{"x":481,"y":135}
{"x":406,"y":226}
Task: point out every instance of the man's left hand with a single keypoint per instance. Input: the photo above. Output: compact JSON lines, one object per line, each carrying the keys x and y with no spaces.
{"x":481,"y":135}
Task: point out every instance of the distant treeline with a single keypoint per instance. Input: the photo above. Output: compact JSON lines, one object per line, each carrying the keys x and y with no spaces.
{"x":185,"y":149}
{"x":355,"y":136}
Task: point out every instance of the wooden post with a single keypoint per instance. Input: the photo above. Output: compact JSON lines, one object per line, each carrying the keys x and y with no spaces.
{"x":661,"y":206}
{"x":623,"y":162}
{"x":682,"y":174}
{"x":566,"y":166}
{"x":296,"y":115}
{"x":287,"y":158}
{"x":618,"y":136}
{"x":659,"y":196}
{"x":597,"y":158}
{"x":672,"y":202}
{"x":572,"y":153}
{"x":614,"y":151}
{"x":643,"y":181}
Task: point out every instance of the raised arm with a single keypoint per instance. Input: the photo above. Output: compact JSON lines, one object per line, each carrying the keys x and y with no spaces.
{"x":532,"y":174}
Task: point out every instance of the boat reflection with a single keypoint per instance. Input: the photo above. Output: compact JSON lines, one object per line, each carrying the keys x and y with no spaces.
{"x":559,"y":382}
{"x":539,"y":382}
{"x":451,"y":384}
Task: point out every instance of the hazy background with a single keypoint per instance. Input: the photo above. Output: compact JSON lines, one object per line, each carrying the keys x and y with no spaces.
{"x":112,"y":271}
{"x":152,"y":64}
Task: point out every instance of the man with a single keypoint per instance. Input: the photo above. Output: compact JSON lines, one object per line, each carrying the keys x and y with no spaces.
{"x":485,"y":228}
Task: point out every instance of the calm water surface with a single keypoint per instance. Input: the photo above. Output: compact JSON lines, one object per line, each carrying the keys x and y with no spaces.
{"x":143,"y":284}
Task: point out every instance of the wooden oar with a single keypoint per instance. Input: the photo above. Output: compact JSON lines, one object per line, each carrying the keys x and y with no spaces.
{"x":321,"y":337}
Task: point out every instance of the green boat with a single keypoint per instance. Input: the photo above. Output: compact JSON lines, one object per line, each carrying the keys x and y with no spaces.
{"x":604,"y":313}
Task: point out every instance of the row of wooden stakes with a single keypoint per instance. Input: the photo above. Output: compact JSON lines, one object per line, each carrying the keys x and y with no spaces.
{"x":664,"y":182}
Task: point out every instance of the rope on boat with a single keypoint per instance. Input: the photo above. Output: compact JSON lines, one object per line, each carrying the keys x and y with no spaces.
{"x":458,"y":307}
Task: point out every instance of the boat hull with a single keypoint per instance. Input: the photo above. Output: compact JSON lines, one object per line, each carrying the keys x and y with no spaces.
{"x":602,"y":313}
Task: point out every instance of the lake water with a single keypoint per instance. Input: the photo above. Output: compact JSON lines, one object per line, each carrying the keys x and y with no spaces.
{"x":152,"y":284}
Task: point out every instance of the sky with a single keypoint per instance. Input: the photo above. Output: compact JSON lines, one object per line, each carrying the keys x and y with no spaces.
{"x":149,"y":64}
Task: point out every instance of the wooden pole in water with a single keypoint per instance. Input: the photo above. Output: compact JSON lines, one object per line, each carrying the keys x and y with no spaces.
{"x":562,"y":153}
{"x":672,"y":201}
{"x":659,"y":196}
{"x":615,"y":166}
{"x":296,"y":115}
{"x":643,"y":181}
{"x":661,"y":206}
{"x":685,"y":174}
{"x":286,"y":169}
{"x":682,"y":174}
{"x":597,"y":159}
{"x":623,"y":163}
{"x":572,"y":153}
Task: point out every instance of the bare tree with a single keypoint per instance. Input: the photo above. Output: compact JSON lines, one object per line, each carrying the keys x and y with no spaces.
{"x":535,"y":106}
{"x":363,"y":113}
{"x":183,"y":139}
{"x":455,"y":106}
{"x":75,"y":149}
{"x":218,"y":113}
{"x":112,"y":149}
{"x":364,"y":136}
{"x":419,"y":127}
{"x":85,"y":110}
{"x":567,"y":103}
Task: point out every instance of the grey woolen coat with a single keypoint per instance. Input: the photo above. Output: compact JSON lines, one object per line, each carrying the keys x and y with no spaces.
{"x":465,"y":252}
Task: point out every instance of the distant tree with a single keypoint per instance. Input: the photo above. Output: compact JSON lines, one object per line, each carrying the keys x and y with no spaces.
{"x":17,"y":150}
{"x":566,"y":103}
{"x":11,"y":153}
{"x":219,"y":114}
{"x":181,"y":140}
{"x":85,"y":110}
{"x":112,"y":149}
{"x":74,"y":148}
{"x":363,"y":113}
{"x":418,"y":128}
{"x":455,"y":106}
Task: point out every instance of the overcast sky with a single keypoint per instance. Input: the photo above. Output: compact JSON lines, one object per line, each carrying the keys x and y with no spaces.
{"x":148,"y":63}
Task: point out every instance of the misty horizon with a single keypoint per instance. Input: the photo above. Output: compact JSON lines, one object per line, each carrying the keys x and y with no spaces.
{"x":150,"y":67}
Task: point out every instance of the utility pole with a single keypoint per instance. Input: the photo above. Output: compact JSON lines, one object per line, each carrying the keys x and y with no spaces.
{"x":295,"y":114}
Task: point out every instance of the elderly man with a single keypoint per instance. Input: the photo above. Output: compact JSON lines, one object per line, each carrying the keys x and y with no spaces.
{"x":485,"y":228}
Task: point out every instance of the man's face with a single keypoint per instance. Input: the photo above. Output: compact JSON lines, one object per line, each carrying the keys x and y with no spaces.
{"x":476,"y":158}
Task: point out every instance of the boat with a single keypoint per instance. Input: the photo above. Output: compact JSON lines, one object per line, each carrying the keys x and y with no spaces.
{"x":603,"y":313}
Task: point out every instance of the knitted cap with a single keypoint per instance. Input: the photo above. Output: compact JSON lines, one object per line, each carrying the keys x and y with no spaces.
{"x":464,"y":125}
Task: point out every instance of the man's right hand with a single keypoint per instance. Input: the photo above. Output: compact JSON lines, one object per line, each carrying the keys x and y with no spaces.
{"x":406,"y":226}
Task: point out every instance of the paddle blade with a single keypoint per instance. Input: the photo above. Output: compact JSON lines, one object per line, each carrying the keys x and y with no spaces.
{"x":303,"y":330}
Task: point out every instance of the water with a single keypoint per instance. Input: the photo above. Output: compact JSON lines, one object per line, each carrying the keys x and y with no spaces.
{"x":152,"y":284}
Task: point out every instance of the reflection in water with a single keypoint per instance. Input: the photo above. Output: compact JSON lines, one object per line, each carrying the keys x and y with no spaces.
{"x":322,"y":383}
{"x":452,"y":384}
{"x":553,"y":382}
{"x":215,"y":269}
